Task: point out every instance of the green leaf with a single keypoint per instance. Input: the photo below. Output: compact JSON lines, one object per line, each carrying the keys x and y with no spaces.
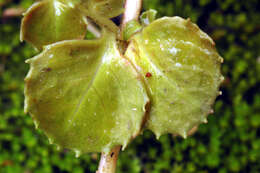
{"x":148,"y":17}
{"x":130,"y":29}
{"x":85,"y":95}
{"x":100,"y":11}
{"x":50,"y":21}
{"x":106,"y":8}
{"x":181,"y":69}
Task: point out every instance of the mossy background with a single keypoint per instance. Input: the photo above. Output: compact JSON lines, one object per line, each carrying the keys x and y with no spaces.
{"x":228,"y":143}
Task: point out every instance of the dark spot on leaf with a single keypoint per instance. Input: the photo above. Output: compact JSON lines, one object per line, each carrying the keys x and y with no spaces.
{"x":112,"y":154}
{"x":46,"y":69}
{"x":148,"y":74}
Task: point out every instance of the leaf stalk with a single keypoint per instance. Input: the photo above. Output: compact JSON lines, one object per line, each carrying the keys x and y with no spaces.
{"x":108,"y":161}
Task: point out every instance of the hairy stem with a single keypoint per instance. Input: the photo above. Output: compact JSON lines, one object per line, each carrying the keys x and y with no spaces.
{"x":132,"y":11}
{"x":107,"y":162}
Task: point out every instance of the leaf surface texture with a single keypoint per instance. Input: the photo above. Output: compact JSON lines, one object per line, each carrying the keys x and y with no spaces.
{"x":84,"y":95}
{"x":181,"y":69}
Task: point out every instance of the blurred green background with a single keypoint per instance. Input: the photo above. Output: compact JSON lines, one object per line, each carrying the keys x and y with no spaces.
{"x":228,"y":143}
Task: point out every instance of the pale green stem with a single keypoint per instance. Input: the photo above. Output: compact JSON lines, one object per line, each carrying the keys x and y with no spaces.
{"x":132,"y":11}
{"x":107,"y":162}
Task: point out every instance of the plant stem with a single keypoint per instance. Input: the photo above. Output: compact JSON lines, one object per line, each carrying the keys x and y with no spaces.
{"x":107,"y":162}
{"x":132,"y":11}
{"x":13,"y":12}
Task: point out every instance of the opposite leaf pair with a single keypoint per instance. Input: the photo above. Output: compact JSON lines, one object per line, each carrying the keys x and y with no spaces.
{"x":88,"y":96}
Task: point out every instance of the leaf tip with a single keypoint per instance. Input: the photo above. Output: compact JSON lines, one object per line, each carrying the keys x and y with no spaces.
{"x":205,"y":121}
{"x":184,"y":134}
{"x":36,"y":124}
{"x":50,"y":140}
{"x":124,"y":145}
{"x":28,"y":61}
{"x":77,"y":153}
{"x":157,"y":135}
{"x":58,"y":147}
{"x":222,"y":78}
{"x":221,"y":60}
